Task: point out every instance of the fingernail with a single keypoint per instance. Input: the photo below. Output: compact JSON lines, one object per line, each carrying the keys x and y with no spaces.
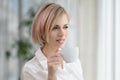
{"x":59,"y":49}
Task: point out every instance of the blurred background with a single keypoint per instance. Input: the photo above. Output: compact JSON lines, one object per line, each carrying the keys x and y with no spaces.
{"x":94,"y":28}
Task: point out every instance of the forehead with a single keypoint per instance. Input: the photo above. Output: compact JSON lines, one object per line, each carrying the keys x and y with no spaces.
{"x":61,"y":20}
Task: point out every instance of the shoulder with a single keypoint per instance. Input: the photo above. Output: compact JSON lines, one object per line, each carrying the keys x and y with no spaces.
{"x":29,"y":69}
{"x":31,"y":65}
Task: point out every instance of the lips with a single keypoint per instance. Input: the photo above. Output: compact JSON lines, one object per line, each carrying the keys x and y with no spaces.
{"x":61,"y":41}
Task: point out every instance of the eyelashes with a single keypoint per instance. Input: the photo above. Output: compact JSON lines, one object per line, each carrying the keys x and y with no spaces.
{"x":55,"y":27}
{"x":66,"y":26}
{"x":58,"y":27}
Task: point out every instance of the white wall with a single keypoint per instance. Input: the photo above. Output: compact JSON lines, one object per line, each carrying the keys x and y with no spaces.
{"x":88,"y":37}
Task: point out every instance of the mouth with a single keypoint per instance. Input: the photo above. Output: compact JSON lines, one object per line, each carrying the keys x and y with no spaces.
{"x":61,"y":41}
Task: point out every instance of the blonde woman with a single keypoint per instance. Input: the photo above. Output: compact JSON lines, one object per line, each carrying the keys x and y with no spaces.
{"x":50,"y":30}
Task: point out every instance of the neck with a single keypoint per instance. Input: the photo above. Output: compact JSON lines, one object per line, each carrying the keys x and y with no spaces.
{"x":49,"y":50}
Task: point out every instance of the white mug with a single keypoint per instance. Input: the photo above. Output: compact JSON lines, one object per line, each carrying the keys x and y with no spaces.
{"x":70,"y":54}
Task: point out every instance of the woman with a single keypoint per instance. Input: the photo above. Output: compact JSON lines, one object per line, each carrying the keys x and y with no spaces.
{"x":50,"y":30}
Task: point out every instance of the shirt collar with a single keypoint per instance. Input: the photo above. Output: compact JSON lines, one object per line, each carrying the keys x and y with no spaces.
{"x":41,"y":58}
{"x":40,"y":55}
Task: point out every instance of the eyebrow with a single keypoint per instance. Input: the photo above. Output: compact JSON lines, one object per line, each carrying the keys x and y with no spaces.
{"x":66,"y":24}
{"x":63,"y":25}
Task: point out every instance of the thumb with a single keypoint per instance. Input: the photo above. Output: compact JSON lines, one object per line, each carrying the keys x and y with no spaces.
{"x":57,"y":53}
{"x":58,"y":50}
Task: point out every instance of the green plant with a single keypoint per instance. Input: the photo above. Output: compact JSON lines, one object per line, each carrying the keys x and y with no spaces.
{"x":24,"y":45}
{"x":23,"y":49}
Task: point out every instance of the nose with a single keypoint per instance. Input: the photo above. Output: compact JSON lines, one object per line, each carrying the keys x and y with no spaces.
{"x":61,"y":32}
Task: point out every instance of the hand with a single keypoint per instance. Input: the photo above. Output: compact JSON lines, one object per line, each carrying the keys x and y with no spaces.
{"x":54,"y":62}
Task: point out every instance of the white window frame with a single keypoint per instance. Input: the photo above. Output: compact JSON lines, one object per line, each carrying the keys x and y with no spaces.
{"x":106,"y":40}
{"x":117,"y":40}
{"x":108,"y":55}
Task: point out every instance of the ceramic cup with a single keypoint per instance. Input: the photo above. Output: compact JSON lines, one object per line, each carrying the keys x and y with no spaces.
{"x":69,"y":54}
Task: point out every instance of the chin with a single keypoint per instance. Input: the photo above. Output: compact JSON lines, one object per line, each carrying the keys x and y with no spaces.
{"x":61,"y":46}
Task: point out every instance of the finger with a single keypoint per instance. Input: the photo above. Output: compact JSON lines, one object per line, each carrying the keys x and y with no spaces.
{"x":58,"y":50}
{"x":54,"y":63}
{"x":62,"y":66}
{"x":55,"y":59}
{"x":55,"y":55}
{"x":57,"y":62}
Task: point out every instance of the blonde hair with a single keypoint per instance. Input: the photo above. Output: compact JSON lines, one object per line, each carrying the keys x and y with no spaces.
{"x":44,"y":20}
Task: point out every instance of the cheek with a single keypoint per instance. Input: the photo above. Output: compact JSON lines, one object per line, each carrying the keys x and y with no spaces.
{"x":48,"y":37}
{"x":52,"y":36}
{"x":66,"y":33}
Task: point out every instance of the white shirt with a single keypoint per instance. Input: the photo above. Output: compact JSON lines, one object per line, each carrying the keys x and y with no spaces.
{"x":36,"y":69}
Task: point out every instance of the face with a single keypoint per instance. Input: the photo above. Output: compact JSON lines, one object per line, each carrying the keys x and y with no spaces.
{"x":59,"y":32}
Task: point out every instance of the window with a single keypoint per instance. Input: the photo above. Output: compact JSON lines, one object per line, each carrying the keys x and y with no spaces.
{"x":108,"y":40}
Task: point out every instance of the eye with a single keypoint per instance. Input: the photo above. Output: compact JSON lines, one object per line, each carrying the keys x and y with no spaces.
{"x":65,"y":27}
{"x":55,"y":27}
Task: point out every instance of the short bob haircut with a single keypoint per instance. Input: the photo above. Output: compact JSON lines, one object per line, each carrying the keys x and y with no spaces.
{"x":44,"y":20}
